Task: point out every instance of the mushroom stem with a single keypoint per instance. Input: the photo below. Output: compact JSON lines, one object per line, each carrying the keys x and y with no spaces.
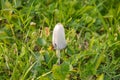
{"x":58,"y":56}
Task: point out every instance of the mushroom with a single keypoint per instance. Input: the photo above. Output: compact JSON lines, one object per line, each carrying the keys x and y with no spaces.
{"x":58,"y":39}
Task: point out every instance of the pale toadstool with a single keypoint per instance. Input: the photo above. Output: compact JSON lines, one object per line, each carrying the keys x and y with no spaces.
{"x":58,"y":39}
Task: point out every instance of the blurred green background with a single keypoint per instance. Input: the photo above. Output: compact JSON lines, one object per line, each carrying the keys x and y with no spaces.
{"x":92,"y":29}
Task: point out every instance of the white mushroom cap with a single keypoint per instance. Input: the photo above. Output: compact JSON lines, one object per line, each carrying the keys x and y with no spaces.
{"x":58,"y":38}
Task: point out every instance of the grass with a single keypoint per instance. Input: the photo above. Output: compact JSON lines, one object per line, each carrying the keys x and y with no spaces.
{"x":92,"y":30}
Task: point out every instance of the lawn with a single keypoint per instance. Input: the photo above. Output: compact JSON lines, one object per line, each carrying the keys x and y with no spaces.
{"x":92,"y":32}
